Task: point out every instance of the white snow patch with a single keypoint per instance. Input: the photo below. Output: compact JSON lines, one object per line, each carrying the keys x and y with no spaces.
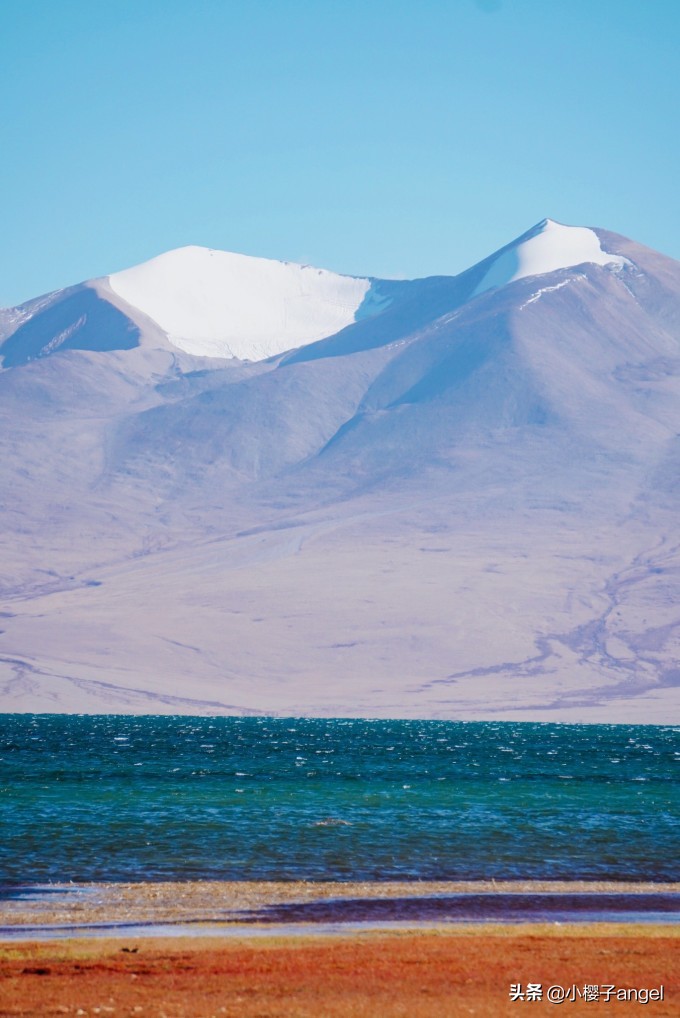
{"x":547,"y":289}
{"x":219,"y":304}
{"x":552,"y":247}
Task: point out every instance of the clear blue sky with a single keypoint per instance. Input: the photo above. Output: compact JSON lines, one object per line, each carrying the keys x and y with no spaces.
{"x":367,"y":136}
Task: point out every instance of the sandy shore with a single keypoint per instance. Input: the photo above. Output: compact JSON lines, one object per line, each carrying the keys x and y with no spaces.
{"x":228,"y":901}
{"x":438,"y":974}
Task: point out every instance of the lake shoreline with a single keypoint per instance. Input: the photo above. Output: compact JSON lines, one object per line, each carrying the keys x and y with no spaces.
{"x":188,"y":907}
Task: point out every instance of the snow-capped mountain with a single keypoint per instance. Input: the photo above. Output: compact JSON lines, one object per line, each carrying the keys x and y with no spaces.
{"x":213,"y":303}
{"x":232,"y":484}
{"x":202,"y":302}
{"x":223,"y":305}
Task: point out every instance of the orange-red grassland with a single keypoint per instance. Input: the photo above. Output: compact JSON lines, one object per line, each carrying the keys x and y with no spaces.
{"x":433,"y":974}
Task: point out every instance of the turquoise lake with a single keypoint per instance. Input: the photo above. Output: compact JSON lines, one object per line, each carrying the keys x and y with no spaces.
{"x":169,"y":798}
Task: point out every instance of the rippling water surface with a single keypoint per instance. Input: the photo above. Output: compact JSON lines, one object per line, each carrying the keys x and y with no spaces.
{"x":132,"y":798}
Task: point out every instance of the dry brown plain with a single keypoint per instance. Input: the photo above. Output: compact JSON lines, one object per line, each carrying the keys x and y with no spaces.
{"x":433,"y":974}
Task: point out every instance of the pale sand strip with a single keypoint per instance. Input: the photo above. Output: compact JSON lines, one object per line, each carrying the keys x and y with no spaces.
{"x":222,"y":901}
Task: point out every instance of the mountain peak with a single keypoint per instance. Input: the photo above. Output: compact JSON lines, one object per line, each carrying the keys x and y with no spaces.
{"x":222,"y":304}
{"x":546,"y":247}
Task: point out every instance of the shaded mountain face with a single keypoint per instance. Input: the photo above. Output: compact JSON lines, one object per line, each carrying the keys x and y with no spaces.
{"x":449,"y":497}
{"x":76,"y":319}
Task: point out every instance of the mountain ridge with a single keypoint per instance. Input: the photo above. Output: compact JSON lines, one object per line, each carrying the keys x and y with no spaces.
{"x":183,"y":291}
